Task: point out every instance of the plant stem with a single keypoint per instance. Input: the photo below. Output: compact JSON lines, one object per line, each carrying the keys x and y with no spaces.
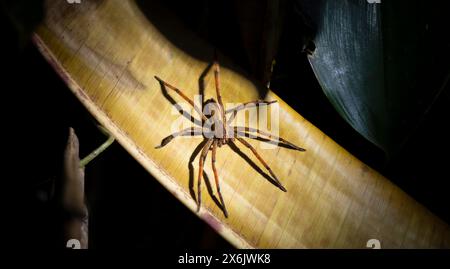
{"x":98,"y":150}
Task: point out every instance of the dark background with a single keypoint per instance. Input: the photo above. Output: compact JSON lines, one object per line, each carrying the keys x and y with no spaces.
{"x":128,"y":207}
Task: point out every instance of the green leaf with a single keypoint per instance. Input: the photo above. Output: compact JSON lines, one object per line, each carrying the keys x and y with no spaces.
{"x":380,"y":64}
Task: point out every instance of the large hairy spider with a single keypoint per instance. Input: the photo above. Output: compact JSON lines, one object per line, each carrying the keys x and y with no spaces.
{"x":217,"y":131}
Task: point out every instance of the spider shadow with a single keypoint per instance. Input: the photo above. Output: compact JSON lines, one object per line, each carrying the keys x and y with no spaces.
{"x":252,"y":163}
{"x":205,"y":176}
{"x":201,"y":91}
{"x":276,"y":143}
{"x":201,"y":83}
{"x":180,"y":110}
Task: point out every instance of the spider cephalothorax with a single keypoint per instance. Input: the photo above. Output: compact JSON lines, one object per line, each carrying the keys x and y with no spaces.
{"x":215,"y":127}
{"x":217,"y":131}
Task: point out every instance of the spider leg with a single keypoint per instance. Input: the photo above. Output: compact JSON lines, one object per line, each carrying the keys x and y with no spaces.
{"x":245,"y":143}
{"x":216,"y":177}
{"x":201,"y":161}
{"x":242,"y":131}
{"x":219,"y":96}
{"x":246,"y":105}
{"x":182,"y":95}
{"x":192,"y":131}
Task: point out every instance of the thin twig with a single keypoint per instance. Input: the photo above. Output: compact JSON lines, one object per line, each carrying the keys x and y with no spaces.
{"x":100,"y":149}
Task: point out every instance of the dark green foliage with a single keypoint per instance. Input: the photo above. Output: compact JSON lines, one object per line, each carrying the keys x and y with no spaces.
{"x":380,"y":65}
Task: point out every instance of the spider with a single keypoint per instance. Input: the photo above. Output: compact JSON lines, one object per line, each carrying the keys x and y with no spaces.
{"x":217,"y":131}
